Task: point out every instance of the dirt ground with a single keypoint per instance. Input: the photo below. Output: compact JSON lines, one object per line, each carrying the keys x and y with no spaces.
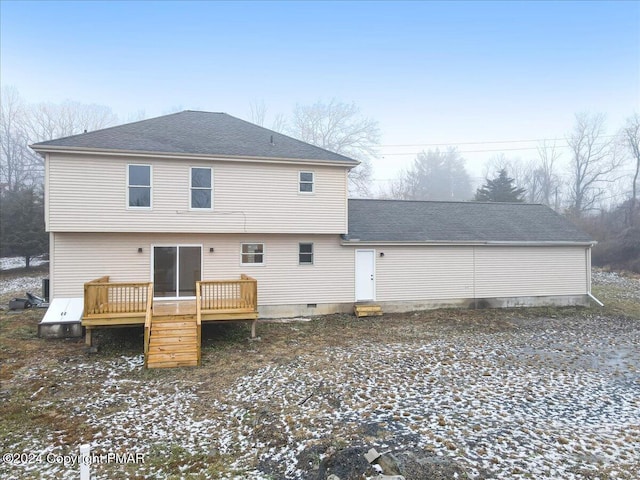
{"x":513,"y":393}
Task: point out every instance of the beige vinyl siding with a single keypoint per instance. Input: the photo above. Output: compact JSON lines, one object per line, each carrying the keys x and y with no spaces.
{"x":409,"y":273}
{"x":89,"y":194}
{"x":530,"y":271}
{"x":424,"y":273}
{"x":81,"y":257}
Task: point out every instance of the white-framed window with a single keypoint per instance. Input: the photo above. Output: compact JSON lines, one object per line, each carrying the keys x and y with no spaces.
{"x":201,"y":188}
{"x":305,"y":253}
{"x":139,"y":186}
{"x":306,"y":182}
{"x":252,"y":253}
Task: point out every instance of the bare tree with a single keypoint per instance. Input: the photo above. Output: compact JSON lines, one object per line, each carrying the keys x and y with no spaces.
{"x":340,"y":128}
{"x":257,"y":112}
{"x":137,"y":116}
{"x":279,"y":123}
{"x":23,"y":124}
{"x":631,"y":136}
{"x":546,"y":179}
{"x":16,"y":161}
{"x":50,"y":120}
{"x":594,"y":160}
{"x":258,"y":115}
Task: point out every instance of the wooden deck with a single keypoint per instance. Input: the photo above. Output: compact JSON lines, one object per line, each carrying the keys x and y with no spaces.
{"x":172,"y":328}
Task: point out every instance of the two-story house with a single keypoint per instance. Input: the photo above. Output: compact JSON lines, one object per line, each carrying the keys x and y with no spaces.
{"x":198,"y":196}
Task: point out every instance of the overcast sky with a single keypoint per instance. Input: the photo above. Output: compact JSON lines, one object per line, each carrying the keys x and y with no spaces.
{"x":429,"y":72}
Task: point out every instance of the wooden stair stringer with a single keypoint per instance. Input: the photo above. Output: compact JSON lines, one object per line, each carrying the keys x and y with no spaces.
{"x":173,"y":342}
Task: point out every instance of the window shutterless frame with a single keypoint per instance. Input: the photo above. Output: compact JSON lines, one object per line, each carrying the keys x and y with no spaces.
{"x":306,"y":182}
{"x":139,"y":186}
{"x":200,"y":188}
{"x":305,"y":253}
{"x":175,"y":268}
{"x":252,"y":254}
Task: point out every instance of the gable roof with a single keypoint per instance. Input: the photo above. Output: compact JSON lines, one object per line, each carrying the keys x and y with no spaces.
{"x":195,"y":133}
{"x":458,"y":222}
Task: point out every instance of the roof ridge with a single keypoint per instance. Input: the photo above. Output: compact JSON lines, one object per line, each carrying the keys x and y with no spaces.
{"x":197,"y":132}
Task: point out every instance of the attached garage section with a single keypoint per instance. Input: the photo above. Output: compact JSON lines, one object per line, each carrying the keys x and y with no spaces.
{"x":431,"y":276}
{"x":468,"y":254}
{"x":423,"y":273}
{"x":530,"y":271}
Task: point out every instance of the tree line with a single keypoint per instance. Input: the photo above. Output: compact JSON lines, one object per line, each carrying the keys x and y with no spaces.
{"x":22,"y":230}
{"x":599,"y":171}
{"x":596,"y":187}
{"x":596,"y":183}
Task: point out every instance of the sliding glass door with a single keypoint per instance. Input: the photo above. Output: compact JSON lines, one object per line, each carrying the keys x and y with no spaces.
{"x":176,"y":269}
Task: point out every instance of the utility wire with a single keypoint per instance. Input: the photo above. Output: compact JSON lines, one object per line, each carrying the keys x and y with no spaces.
{"x":485,"y":151}
{"x":476,"y":151}
{"x":453,"y":144}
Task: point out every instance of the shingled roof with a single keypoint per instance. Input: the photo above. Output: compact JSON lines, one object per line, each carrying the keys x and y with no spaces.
{"x":195,"y":133}
{"x":458,"y":222}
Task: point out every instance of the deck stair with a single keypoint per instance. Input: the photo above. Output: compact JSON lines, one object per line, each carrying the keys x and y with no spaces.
{"x":367,"y":310}
{"x":174,"y":341}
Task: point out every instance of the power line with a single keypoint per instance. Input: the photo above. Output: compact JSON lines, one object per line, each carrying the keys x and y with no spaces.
{"x":485,"y":151}
{"x":452,"y":144}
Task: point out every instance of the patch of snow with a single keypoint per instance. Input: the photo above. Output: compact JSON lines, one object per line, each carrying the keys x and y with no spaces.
{"x":547,"y":399}
{"x":630,"y":287}
{"x":286,"y":320}
{"x":9,"y":263}
{"x":21,"y":285}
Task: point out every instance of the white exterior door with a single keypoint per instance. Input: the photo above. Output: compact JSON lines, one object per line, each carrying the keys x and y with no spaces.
{"x":365,"y":275}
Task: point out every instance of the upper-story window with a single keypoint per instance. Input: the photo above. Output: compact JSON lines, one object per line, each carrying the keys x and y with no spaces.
{"x":201,"y":188}
{"x":305,"y":182}
{"x":139,"y":186}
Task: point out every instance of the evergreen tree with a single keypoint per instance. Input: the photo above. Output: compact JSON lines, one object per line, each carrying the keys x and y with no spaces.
{"x":500,"y":189}
{"x":22,"y":224}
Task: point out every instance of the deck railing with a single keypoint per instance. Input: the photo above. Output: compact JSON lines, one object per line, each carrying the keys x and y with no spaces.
{"x":218,"y":295}
{"x":147,"y":322}
{"x":226,"y":296}
{"x":102,"y":297}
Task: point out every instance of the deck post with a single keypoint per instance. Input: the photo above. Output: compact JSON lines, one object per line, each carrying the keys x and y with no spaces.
{"x":88,"y":340}
{"x":253,"y":328}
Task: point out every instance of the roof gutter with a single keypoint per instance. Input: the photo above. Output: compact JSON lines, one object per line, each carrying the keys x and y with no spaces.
{"x":42,"y":149}
{"x":356,"y":241}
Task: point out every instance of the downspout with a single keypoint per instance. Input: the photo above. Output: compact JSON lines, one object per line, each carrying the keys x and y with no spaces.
{"x":587,"y":257}
{"x":595,"y":299}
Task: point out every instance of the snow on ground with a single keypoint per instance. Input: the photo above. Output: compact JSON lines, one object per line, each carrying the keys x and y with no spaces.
{"x":630,"y":287}
{"x":21,"y":285}
{"x":550,"y":398}
{"x":8,"y":263}
{"x":496,"y":404}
